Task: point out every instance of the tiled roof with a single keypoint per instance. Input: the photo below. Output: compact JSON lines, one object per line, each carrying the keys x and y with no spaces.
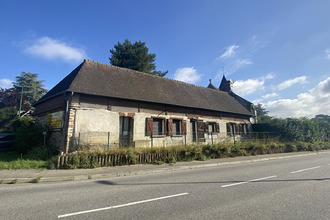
{"x":100,"y":79}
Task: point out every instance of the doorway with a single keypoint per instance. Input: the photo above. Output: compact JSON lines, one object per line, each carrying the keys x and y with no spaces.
{"x":125,"y":131}
{"x":193,"y":126}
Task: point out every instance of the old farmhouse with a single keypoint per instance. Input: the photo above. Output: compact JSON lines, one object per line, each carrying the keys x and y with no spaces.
{"x":103,"y":104}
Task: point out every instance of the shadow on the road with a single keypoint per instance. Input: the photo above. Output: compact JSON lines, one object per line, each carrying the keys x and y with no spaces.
{"x":106,"y":182}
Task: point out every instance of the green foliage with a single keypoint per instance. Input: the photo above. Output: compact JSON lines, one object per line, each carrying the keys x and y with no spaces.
{"x":6,"y":113}
{"x":32,"y":88}
{"x":297,"y":130}
{"x":11,"y":98}
{"x":36,"y":180}
{"x":262,"y":113}
{"x":134,"y":56}
{"x":15,"y":160}
{"x":82,"y":160}
{"x":28,"y":134}
{"x":22,"y":122}
{"x":41,"y":153}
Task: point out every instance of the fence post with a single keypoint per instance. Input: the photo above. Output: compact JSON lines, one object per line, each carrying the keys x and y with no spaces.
{"x":58,"y":162}
{"x":152,"y":140}
{"x":185,"y":139}
{"x":108,"y":140}
{"x":212,"y":137}
{"x":44,"y":134}
{"x":234,"y":136}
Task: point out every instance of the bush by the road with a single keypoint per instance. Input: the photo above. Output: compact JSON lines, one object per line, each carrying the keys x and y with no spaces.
{"x":28,"y":134}
{"x":85,"y":158}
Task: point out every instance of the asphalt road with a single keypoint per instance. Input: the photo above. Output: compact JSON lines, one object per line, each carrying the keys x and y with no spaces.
{"x":295,"y":188}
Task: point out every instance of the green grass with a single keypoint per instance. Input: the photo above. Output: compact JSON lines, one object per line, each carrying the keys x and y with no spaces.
{"x":14,"y":160}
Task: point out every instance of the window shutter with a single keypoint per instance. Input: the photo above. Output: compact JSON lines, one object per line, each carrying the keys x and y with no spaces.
{"x":236,"y":128}
{"x":200,"y":126}
{"x":200,"y":130}
{"x":164,"y":121}
{"x":184,"y":127}
{"x":217,"y":128}
{"x":170,"y":126}
{"x":206,"y":127}
{"x":228,"y":128}
{"x":149,"y":122}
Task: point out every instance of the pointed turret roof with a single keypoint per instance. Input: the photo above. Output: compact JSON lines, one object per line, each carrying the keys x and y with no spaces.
{"x":225,"y":85}
{"x":211,"y":86}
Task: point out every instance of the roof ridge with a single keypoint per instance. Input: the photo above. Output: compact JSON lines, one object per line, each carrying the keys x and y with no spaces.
{"x":139,"y":72}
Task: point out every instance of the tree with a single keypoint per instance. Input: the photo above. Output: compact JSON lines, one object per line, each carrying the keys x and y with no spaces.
{"x":322,"y":117}
{"x":32,"y":88}
{"x":6,"y":113}
{"x":134,"y":56}
{"x":9,"y":103}
{"x":262,"y":113}
{"x":11,"y":98}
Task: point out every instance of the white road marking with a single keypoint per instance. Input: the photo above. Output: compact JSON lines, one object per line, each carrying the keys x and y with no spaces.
{"x":233,"y":184}
{"x":263,"y":178}
{"x":120,"y":206}
{"x":255,"y":180}
{"x":312,"y":168}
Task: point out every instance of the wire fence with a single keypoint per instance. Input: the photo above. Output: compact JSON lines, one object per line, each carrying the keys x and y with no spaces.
{"x":110,"y":140}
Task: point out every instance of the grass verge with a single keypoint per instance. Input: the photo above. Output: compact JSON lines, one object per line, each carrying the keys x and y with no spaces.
{"x":14,"y":160}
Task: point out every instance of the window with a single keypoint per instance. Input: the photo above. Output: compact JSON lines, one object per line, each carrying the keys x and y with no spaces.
{"x":162,"y":126}
{"x":232,"y":129}
{"x":158,"y":126}
{"x":243,"y":129}
{"x":155,"y":126}
{"x":213,"y":127}
{"x":177,"y":130}
{"x":176,"y":127}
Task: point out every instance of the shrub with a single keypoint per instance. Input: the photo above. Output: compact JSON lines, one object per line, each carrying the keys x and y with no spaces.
{"x":170,"y":160}
{"x":41,"y":153}
{"x":28,"y":134}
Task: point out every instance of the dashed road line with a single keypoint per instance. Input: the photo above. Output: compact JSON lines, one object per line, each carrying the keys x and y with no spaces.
{"x":120,"y":206}
{"x":312,"y":168}
{"x":263,"y":178}
{"x":254,"y":180}
{"x":233,"y":184}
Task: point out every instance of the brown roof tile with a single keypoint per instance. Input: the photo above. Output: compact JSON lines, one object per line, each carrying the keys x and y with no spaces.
{"x":106,"y":80}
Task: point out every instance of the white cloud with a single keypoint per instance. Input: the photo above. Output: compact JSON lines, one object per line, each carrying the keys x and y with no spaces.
{"x":270,"y":95}
{"x":315,"y":101}
{"x":327,"y":54}
{"x":268,"y":76}
{"x":291,"y":82}
{"x":233,"y":59}
{"x":246,"y":87}
{"x":230,"y":52}
{"x":187,"y":74}
{"x":6,"y":83}
{"x":50,"y":49}
{"x":239,"y":63}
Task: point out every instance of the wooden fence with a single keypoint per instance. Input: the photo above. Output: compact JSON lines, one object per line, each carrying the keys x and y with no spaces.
{"x":116,"y":160}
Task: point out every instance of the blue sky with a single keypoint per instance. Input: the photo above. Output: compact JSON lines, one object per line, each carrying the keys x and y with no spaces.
{"x":277,"y":52}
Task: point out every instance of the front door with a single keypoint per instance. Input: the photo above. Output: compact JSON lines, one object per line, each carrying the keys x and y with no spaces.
{"x":125,"y":131}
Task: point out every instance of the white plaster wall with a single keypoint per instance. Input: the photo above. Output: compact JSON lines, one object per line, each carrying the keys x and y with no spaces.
{"x":93,"y":126}
{"x":95,"y":122}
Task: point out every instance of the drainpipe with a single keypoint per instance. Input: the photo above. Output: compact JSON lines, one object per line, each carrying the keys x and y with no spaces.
{"x":66,"y":122}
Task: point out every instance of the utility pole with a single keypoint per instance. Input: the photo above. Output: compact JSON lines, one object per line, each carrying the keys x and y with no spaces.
{"x":20,"y":103}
